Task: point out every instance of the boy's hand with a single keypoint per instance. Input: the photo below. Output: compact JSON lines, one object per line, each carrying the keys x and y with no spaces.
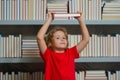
{"x":81,"y":17}
{"x":50,"y":16}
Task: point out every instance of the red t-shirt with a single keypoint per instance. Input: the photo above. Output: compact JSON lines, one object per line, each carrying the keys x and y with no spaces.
{"x":60,"y":66}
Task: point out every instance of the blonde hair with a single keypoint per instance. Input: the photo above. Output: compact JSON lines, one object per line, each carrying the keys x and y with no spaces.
{"x":49,"y":36}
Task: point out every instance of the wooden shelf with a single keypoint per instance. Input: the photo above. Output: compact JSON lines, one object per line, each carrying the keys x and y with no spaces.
{"x":36,"y":64}
{"x":59,"y":22}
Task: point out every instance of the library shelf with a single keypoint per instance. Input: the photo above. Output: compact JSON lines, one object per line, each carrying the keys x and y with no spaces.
{"x":59,"y":22}
{"x":36,"y":64}
{"x":98,"y":63}
{"x":21,"y":64}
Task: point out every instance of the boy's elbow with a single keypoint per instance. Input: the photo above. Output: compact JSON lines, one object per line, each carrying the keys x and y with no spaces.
{"x":87,"y":39}
{"x":38,"y":37}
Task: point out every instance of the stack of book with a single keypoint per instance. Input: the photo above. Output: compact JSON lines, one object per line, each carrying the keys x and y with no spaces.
{"x":91,"y":75}
{"x":111,"y":11}
{"x":95,"y":75}
{"x":30,"y":47}
{"x":57,"y":8}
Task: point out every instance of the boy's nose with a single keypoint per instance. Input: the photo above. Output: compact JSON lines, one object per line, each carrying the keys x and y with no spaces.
{"x":62,"y":39}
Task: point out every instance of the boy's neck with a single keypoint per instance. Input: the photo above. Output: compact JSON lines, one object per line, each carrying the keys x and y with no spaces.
{"x":59,"y":50}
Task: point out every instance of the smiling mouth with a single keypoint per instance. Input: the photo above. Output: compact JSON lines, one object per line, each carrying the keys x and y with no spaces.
{"x":62,"y":43}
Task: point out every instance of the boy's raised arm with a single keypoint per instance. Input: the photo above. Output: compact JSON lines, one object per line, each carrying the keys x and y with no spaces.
{"x":41,"y":33}
{"x":84,"y":32}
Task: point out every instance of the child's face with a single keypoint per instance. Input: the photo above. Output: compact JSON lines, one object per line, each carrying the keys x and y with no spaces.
{"x":59,"y":41}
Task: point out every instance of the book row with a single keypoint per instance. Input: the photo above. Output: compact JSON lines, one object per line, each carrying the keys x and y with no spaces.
{"x":80,"y":75}
{"x":37,"y":9}
{"x":99,"y":45}
{"x":21,"y":76}
{"x":10,"y":46}
{"x":97,"y":75}
{"x":22,"y":9}
{"x":92,"y":9}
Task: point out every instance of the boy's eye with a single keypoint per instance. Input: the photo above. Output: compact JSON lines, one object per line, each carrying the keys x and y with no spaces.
{"x":61,"y":37}
{"x":57,"y":38}
{"x":64,"y":38}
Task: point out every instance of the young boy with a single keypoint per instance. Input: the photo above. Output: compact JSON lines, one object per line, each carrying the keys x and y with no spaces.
{"x":58,"y":58}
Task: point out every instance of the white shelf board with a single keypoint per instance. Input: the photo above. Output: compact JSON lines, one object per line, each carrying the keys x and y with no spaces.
{"x":60,"y":22}
{"x":39,"y":60}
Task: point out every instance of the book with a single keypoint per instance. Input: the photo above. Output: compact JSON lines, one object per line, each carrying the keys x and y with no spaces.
{"x":66,"y":14}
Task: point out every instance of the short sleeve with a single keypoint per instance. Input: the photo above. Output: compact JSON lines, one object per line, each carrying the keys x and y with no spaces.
{"x":73,"y":51}
{"x":45,"y":55}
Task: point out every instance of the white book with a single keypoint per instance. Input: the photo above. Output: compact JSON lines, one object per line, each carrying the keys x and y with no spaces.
{"x":0,"y":9}
{"x":5,"y":9}
{"x":1,"y":75}
{"x":66,"y":14}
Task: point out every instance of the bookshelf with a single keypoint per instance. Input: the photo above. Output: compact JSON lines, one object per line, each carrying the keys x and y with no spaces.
{"x":60,"y":22}
{"x":83,"y":63}
{"x":98,"y":63}
{"x":30,"y":28}
{"x":21,"y":64}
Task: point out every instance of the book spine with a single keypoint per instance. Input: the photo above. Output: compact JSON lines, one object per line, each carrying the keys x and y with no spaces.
{"x":5,"y":9}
